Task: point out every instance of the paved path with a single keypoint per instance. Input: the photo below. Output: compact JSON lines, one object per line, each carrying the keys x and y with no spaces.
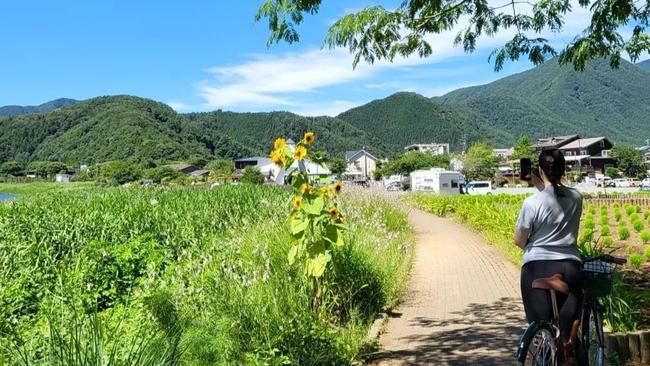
{"x":462,"y":306}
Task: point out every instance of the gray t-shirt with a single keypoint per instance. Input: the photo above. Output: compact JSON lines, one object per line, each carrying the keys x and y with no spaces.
{"x":552,"y":223}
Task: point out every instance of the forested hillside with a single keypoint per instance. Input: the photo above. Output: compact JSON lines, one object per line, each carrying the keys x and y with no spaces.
{"x":141,"y":130}
{"x":17,"y":110}
{"x":403,"y":119}
{"x":554,"y":100}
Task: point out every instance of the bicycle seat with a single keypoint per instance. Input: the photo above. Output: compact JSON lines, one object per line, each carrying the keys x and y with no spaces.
{"x":552,"y":283}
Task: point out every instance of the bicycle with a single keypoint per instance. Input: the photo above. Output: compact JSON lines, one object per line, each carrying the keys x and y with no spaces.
{"x":541,"y":344}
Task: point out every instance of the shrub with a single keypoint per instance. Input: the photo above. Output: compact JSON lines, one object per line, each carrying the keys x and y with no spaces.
{"x":604,"y":220}
{"x":585,"y":237}
{"x":604,"y":230}
{"x":616,"y":205}
{"x":629,"y":209}
{"x":608,"y":241}
{"x":636,"y":260}
{"x":638,"y":208}
{"x":623,"y":233}
{"x":622,"y":224}
{"x":604,"y":209}
{"x":646,"y":215}
{"x":637,"y":225}
{"x":647,"y":253}
{"x":592,"y":210}
{"x":617,"y":215}
{"x":589,"y":224}
{"x":252,"y":175}
{"x":645,"y":236}
{"x":634,"y":217}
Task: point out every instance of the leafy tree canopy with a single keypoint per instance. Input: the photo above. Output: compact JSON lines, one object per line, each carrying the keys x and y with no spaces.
{"x":412,"y":161}
{"x":120,"y":172}
{"x":629,"y":160}
{"x":524,"y":149}
{"x":338,"y":166}
{"x":11,"y":168}
{"x":480,"y":162}
{"x":377,"y":33}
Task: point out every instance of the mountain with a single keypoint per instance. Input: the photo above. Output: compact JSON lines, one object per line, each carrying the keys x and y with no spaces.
{"x":555,"y":100}
{"x":403,"y":119}
{"x":645,"y":65}
{"x":142,"y":130}
{"x":16,"y":110}
{"x":545,"y":101}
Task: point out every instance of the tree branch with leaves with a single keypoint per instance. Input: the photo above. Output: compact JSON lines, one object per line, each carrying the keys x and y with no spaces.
{"x":376,"y":33}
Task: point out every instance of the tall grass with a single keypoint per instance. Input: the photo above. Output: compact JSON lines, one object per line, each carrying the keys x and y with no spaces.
{"x":182,"y":276}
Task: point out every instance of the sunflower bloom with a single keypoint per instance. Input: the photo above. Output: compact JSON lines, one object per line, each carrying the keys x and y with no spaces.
{"x":297,"y":202}
{"x":300,"y":153}
{"x":305,"y":188}
{"x":337,"y":187}
{"x":277,"y":157}
{"x":334,"y":213}
{"x":280,"y":143}
{"x":310,"y":137}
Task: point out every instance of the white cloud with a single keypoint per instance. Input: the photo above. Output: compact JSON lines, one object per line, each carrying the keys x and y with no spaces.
{"x":282,"y":81}
{"x":179,"y":106}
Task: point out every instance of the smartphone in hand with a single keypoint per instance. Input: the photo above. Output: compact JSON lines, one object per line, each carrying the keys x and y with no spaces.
{"x":526,"y":166}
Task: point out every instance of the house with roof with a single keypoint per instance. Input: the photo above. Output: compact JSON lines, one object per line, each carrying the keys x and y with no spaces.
{"x":554,"y":142}
{"x":588,"y":155}
{"x":183,"y":168}
{"x":434,"y":148}
{"x":360,"y":165}
{"x":645,"y":149}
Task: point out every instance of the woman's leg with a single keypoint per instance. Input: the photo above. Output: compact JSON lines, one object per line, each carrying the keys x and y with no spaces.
{"x":570,"y":309}
{"x":537,"y":303}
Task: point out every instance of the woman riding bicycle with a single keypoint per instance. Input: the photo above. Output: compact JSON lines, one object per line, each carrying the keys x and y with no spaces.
{"x":546,"y":230}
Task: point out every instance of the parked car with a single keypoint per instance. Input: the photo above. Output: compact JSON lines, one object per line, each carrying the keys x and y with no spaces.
{"x":605,"y":182}
{"x":621,"y":183}
{"x":645,"y":182}
{"x":479,"y":188}
{"x":634,"y":182}
{"x":645,"y":188}
{"x":395,"y":186}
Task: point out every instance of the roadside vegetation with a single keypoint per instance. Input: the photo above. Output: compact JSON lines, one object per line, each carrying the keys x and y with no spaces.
{"x":170,"y":276}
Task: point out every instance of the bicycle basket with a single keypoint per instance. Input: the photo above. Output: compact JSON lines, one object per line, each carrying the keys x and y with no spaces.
{"x":599,"y":277}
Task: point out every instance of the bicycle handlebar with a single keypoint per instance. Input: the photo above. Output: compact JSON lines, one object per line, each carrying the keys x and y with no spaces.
{"x":606,"y":258}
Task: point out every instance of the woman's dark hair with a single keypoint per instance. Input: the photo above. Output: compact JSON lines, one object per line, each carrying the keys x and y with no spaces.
{"x":553,"y":165}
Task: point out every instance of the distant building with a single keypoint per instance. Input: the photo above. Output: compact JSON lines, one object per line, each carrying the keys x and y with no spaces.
{"x":183,"y":168}
{"x":588,"y":155}
{"x":255,"y":161}
{"x":504,"y":154}
{"x":360,"y":165}
{"x":435,"y":149}
{"x":63,"y":178}
{"x":201,"y":173}
{"x":555,"y":142}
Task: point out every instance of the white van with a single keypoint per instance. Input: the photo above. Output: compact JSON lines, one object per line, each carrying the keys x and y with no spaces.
{"x":479,"y":188}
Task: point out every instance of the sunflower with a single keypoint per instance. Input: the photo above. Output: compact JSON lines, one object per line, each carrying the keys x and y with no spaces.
{"x":300,"y":153}
{"x":310,"y":137}
{"x":280,"y":144}
{"x":337,"y":187}
{"x":305,"y":188}
{"x":334,"y":213}
{"x":297,"y":202}
{"x":277,"y":157}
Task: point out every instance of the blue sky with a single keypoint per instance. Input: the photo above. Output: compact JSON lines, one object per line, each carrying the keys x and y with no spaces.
{"x":210,"y":54}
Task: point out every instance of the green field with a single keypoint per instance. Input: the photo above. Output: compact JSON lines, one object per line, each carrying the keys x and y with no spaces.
{"x":185,"y":276}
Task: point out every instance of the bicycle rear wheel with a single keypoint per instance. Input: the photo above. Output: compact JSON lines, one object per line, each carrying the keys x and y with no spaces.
{"x":541,"y":349}
{"x":592,"y":342}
